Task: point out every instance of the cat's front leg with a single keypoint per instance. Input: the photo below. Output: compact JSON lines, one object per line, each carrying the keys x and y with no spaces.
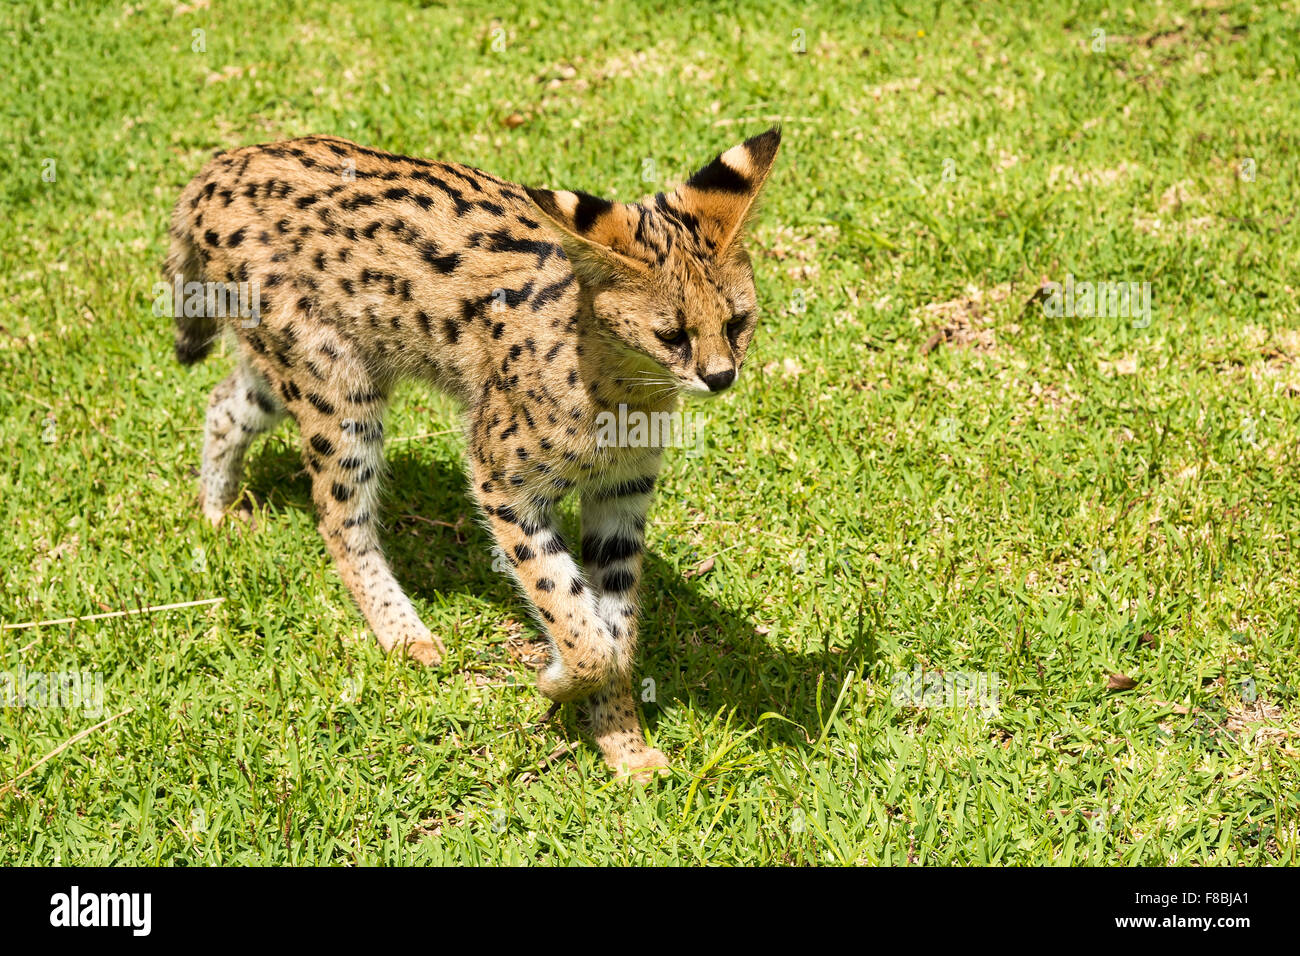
{"x":613,"y":542}
{"x":584,"y":654}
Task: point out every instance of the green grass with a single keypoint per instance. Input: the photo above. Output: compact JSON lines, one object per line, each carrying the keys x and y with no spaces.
{"x":1052,"y":500}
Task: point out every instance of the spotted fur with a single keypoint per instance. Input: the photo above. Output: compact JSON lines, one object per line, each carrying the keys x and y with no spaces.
{"x":537,"y":309}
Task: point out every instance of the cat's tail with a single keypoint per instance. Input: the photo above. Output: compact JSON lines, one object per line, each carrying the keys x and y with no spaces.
{"x":194,"y":333}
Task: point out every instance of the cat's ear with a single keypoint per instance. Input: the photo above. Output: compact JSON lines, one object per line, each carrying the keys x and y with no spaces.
{"x":722,"y":194}
{"x":595,"y":233}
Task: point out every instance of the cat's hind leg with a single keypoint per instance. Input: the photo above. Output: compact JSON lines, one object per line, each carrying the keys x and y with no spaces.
{"x":340,"y":409}
{"x":241,"y":408}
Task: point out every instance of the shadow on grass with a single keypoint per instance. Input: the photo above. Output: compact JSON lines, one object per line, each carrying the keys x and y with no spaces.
{"x":695,"y":650}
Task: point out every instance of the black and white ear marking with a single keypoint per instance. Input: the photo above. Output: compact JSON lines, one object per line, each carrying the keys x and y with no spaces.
{"x":576,"y":211}
{"x":742,"y":169}
{"x":593,"y":231}
{"x":722,"y":193}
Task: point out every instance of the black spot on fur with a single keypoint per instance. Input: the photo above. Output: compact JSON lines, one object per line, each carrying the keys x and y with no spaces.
{"x":638,"y":486}
{"x":604,"y":551}
{"x":618,"y":582}
{"x":321,"y":405}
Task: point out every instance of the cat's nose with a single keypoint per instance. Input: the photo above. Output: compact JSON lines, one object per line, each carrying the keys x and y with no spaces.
{"x":717,"y":381}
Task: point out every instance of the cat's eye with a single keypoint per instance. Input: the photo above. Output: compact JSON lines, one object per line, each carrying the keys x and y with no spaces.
{"x":737,"y":324}
{"x":672,"y":336}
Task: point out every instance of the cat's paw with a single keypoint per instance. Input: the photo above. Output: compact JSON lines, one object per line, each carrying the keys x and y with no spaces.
{"x":211,"y":510}
{"x":216,"y":513}
{"x":562,"y":686}
{"x":429,"y":652}
{"x":642,"y":767}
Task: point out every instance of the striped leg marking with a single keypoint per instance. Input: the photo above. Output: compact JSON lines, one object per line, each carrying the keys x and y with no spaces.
{"x":613,"y":541}
{"x":584,"y":652}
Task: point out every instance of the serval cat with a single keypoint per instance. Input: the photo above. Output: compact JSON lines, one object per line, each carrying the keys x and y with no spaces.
{"x":538,"y":310}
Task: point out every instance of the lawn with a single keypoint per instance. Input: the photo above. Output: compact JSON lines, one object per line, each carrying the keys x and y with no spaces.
{"x":925,"y":471}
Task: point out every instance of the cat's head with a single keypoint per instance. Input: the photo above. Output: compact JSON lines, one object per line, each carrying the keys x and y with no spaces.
{"x":668,"y":277}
